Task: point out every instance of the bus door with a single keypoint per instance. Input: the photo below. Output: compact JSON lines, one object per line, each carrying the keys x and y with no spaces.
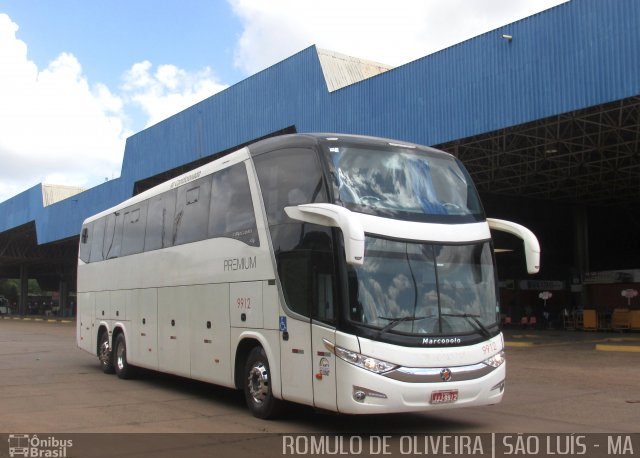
{"x":303,"y":252}
{"x":323,"y":331}
{"x":307,"y":365}
{"x":323,"y":367}
{"x":308,"y":284}
{"x":295,"y":359}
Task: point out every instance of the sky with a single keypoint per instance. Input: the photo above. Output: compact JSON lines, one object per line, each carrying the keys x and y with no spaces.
{"x":77,"y":77}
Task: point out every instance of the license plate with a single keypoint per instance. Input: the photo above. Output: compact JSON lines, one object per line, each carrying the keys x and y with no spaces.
{"x":444,"y":397}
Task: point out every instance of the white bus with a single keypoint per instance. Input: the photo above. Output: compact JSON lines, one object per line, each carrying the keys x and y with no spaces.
{"x":349,"y":273}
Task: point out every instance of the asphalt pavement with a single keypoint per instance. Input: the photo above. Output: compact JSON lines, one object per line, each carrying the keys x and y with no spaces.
{"x":557,"y":382}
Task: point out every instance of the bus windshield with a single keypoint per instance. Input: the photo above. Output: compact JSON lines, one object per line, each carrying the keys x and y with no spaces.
{"x":401,"y":182}
{"x":424,"y":289}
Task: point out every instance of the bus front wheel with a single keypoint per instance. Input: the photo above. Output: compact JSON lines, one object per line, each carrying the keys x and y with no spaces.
{"x":258,"y":391}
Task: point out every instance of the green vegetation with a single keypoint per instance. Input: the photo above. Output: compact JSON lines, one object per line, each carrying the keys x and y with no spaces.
{"x":10,"y":288}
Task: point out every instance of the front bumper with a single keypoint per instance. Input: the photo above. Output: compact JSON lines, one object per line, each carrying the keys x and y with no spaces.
{"x":410,"y":390}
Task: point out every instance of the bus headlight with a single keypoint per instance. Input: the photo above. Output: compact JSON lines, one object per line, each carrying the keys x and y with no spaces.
{"x":366,"y":362}
{"x":496,"y":360}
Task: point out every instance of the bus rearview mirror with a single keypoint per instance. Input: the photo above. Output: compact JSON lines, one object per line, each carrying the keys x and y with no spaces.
{"x":330,"y":215}
{"x":531,"y":245}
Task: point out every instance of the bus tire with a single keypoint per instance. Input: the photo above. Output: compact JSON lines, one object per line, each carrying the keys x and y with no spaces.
{"x":258,"y":391}
{"x":122,"y":367}
{"x":105,"y":355}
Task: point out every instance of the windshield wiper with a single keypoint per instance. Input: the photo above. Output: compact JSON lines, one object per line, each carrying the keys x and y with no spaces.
{"x":393,"y":322}
{"x":473,"y":320}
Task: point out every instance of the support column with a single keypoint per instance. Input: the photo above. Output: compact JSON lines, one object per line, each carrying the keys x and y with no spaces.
{"x":581,"y":247}
{"x":63,"y":290}
{"x":24,"y":289}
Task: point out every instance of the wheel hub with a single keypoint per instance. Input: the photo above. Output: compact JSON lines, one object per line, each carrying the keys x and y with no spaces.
{"x":258,"y":382}
{"x":105,"y":351}
{"x":120,"y":357}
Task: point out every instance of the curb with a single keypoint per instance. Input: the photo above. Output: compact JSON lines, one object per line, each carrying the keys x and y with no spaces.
{"x":621,"y":348}
{"x":43,"y":320}
{"x":628,"y":344}
{"x":518,"y":344}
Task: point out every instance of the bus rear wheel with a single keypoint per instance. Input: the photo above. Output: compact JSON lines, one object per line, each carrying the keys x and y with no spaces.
{"x":258,"y":390}
{"x":123,"y":369}
{"x":105,"y":355}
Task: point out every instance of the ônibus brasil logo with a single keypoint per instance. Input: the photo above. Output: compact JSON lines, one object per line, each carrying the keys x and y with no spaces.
{"x":33,"y":446}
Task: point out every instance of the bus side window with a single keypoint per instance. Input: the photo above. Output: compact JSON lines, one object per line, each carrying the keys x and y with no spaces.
{"x":306,"y":270}
{"x":295,"y":276}
{"x":162,"y":210}
{"x":324,"y":288}
{"x":85,"y":242}
{"x":113,"y":235}
{"x":192,"y":211}
{"x":289,"y":177}
{"x":97,"y":240}
{"x":135,"y":222}
{"x":232,"y":214}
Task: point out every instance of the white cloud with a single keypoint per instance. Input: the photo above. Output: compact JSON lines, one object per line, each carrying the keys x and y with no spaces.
{"x":56,"y":127}
{"x":389,"y":32}
{"x":52,"y":122}
{"x":168,"y":90}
